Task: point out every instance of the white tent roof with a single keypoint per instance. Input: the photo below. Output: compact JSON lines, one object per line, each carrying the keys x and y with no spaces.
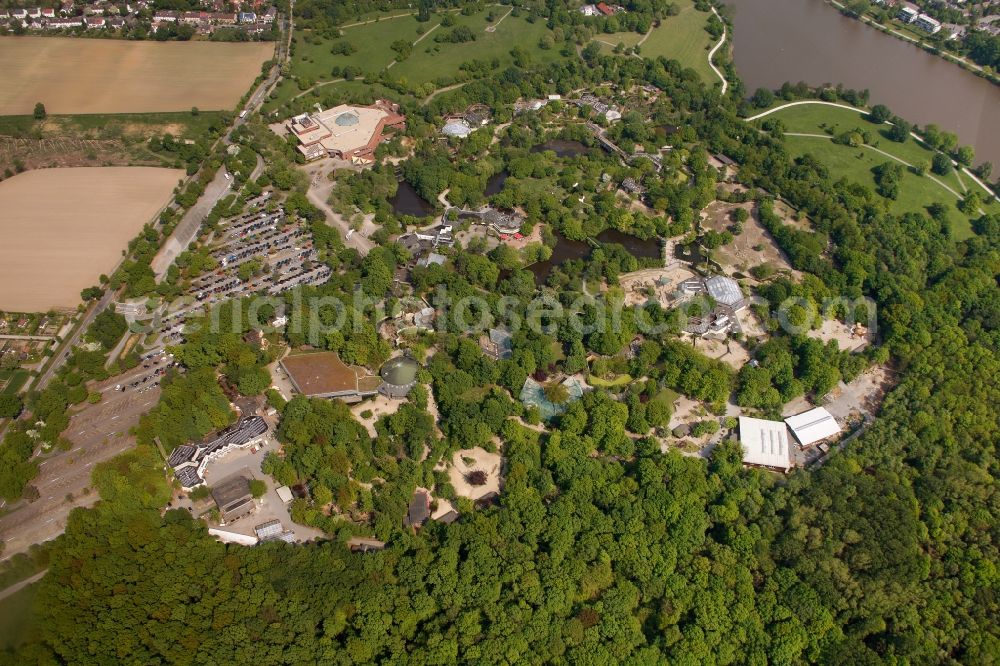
{"x":765,"y":443}
{"x":812,"y":426}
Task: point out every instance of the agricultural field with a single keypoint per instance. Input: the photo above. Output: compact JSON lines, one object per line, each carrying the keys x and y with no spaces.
{"x":430,"y":65}
{"x":75,"y":236}
{"x":682,"y":38}
{"x":98,"y":140}
{"x":95,"y":76}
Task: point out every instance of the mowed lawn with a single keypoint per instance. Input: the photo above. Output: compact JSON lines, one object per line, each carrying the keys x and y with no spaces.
{"x":856,"y":164}
{"x":430,"y":62}
{"x":74,"y":76}
{"x":824,"y":119}
{"x":682,"y":38}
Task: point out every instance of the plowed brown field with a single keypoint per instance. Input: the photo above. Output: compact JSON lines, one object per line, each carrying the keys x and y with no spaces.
{"x":70,"y":75}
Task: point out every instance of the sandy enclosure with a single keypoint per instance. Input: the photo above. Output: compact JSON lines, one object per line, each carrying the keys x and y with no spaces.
{"x":61,"y":228}
{"x":73,"y":76}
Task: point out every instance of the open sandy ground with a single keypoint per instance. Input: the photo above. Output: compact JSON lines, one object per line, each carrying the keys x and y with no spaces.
{"x":481,"y":460}
{"x":75,"y":76}
{"x":61,"y":228}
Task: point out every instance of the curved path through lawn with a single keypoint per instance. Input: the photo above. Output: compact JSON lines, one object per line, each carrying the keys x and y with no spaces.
{"x":861,"y":112}
{"x":711,"y":54}
{"x":880,"y":152}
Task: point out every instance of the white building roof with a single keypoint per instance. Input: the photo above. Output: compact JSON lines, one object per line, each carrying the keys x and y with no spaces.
{"x":812,"y":426}
{"x":458,"y":128}
{"x":765,"y":443}
{"x":724,"y":290}
{"x":284,"y":494}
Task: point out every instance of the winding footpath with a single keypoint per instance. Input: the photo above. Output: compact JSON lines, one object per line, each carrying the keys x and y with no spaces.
{"x":711,"y":54}
{"x":861,"y":112}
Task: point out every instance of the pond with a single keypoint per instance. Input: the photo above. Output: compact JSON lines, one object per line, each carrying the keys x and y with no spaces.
{"x":562,"y":148}
{"x":568,"y":250}
{"x":495,"y":183}
{"x":407,"y":202}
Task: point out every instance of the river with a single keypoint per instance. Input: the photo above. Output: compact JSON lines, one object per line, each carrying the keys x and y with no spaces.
{"x":808,"y":40}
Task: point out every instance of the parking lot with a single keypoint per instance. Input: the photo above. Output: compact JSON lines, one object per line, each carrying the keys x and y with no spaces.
{"x":285,"y":257}
{"x":98,"y":433}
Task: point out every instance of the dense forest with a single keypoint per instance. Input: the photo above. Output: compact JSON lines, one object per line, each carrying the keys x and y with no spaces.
{"x":602,"y":549}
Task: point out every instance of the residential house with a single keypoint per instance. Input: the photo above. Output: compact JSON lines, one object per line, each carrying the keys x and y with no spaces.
{"x":927,"y":24}
{"x":95,"y":21}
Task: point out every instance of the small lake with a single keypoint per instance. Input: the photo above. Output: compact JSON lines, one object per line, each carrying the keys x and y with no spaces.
{"x":568,"y":250}
{"x":408,"y":202}
{"x":562,"y":148}
{"x":496,"y":182}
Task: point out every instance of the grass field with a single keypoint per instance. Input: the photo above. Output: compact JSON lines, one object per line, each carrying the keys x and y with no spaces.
{"x":682,"y":38}
{"x":72,"y":76}
{"x":15,"y":616}
{"x":823,"y":119}
{"x":430,"y":65}
{"x":11,"y":381}
{"x":81,"y":221}
{"x":915,"y":192}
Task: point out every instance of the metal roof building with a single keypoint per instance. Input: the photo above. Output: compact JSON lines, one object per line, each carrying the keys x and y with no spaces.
{"x":765,"y":443}
{"x":813,"y":426}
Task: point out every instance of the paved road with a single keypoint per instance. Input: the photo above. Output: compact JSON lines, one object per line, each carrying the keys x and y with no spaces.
{"x":187,"y":229}
{"x":40,"y":338}
{"x":63,"y":352}
{"x":98,"y":432}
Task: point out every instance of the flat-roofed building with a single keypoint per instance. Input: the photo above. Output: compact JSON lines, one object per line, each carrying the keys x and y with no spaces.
{"x":813,"y":426}
{"x":324,"y":375}
{"x":233,"y":498}
{"x":347,"y":131}
{"x":765,"y":443}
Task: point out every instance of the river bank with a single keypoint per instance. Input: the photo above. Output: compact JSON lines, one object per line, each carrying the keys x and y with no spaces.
{"x":779,"y":41}
{"x":929,"y":47}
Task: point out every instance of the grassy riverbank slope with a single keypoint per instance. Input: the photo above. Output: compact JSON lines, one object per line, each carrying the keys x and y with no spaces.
{"x":823,"y":122}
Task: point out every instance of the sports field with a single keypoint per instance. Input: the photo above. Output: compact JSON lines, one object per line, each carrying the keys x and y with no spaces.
{"x":71,"y":76}
{"x":60,"y":229}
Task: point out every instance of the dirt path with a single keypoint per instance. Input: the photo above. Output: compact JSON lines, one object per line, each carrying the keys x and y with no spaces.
{"x":17,"y":587}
